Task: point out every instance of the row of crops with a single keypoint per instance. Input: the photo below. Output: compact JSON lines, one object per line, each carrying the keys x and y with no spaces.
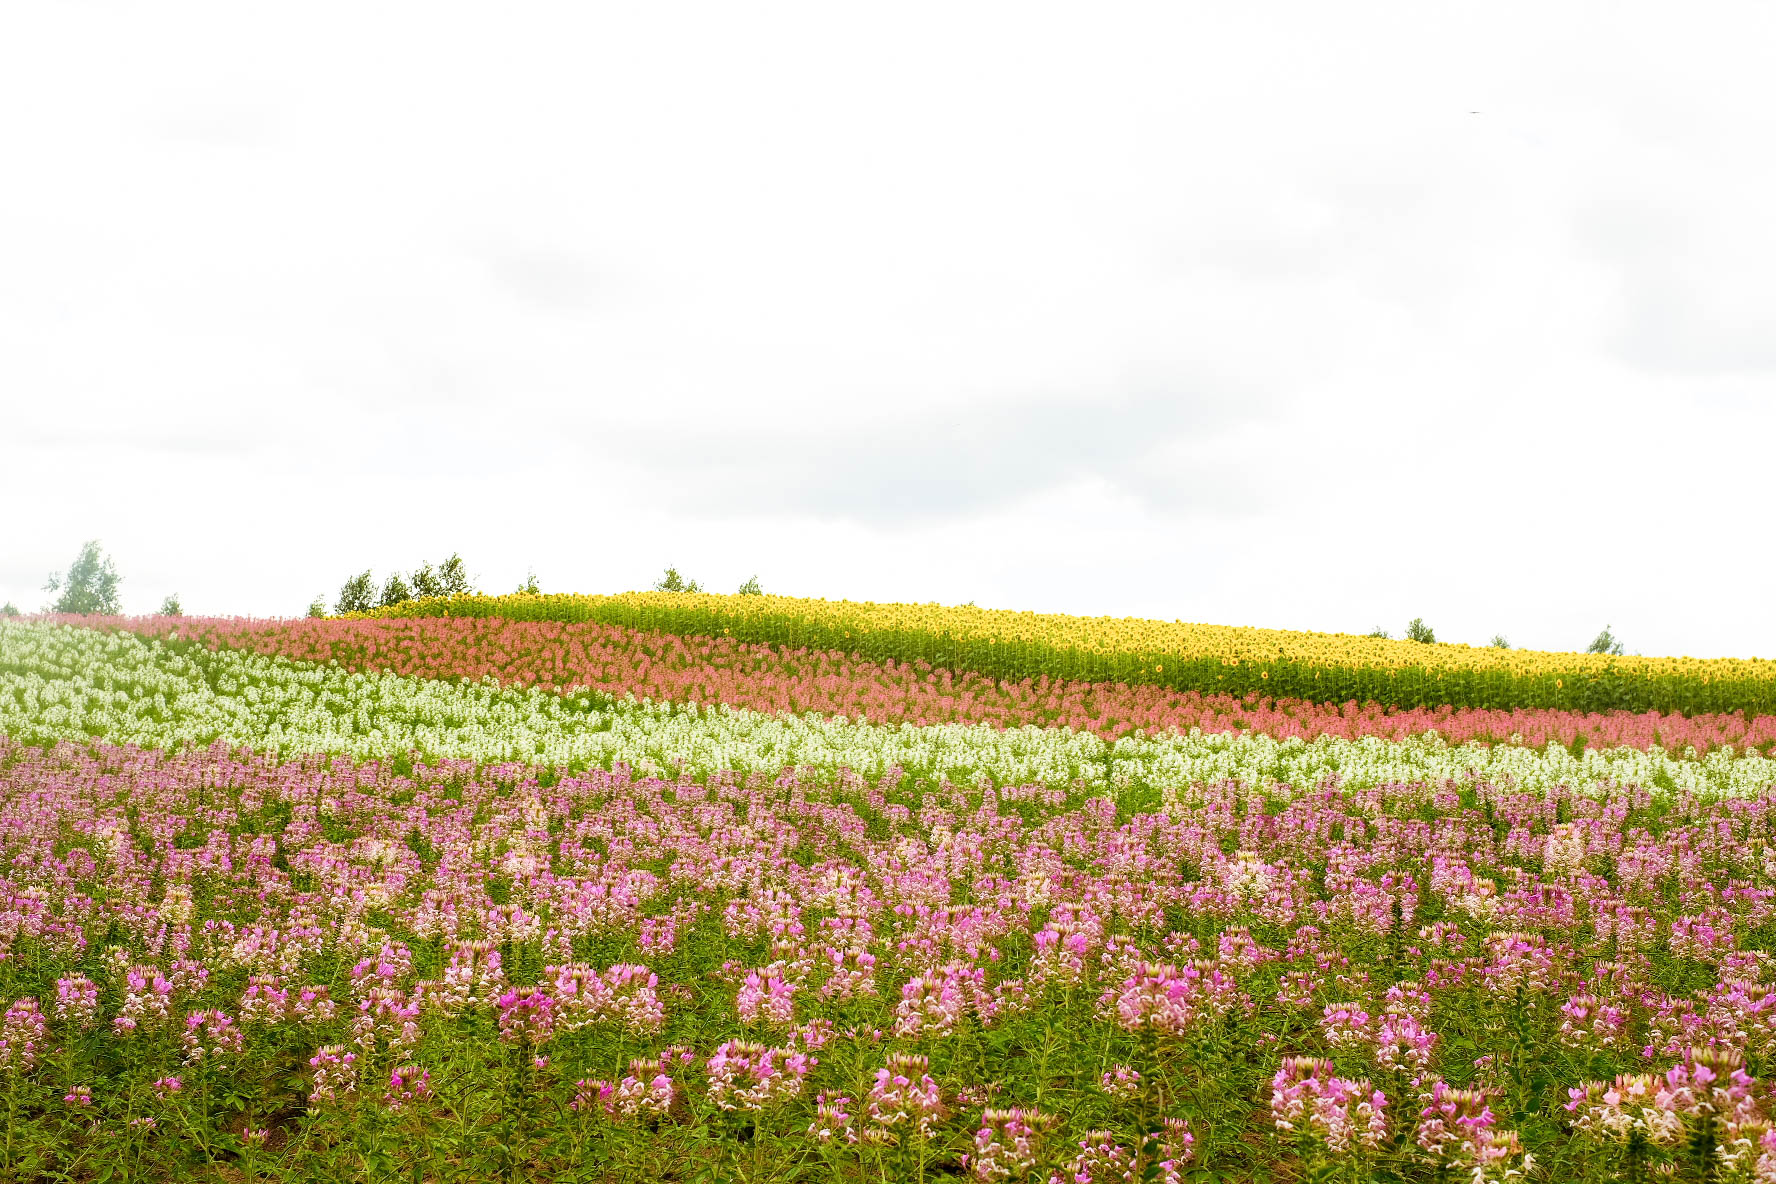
{"x":1210,"y":659}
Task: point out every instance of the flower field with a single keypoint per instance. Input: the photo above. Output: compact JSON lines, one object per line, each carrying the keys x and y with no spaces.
{"x":441,"y":899}
{"x":669,"y":668}
{"x":1211,"y":659}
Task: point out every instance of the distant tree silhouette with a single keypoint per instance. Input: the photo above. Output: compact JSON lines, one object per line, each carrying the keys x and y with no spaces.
{"x":426,"y":582}
{"x":356,"y":595}
{"x":88,"y":586}
{"x":453,"y":575}
{"x":395,"y":590}
{"x":673,"y":582}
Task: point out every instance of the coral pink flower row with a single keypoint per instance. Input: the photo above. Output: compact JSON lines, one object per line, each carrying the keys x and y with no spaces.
{"x":665,"y":667}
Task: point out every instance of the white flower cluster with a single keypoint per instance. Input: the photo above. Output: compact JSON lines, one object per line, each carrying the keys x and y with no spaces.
{"x":60,"y":682}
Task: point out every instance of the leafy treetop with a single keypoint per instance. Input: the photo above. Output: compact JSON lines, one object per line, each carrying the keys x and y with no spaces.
{"x":1604,"y":643}
{"x":88,"y":586}
{"x":673,"y":582}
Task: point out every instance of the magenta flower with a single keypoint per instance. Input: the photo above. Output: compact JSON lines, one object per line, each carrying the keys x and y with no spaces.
{"x":767,"y":997}
{"x":22,"y":1035}
{"x":748,"y":1076}
{"x":1121,"y":1082}
{"x":77,"y":1001}
{"x":1452,"y":1120}
{"x":1102,"y":1159}
{"x":592,"y":1095}
{"x":526,"y":1016}
{"x":833,"y":1120}
{"x":1007,"y":1144}
{"x":903,"y":1098}
{"x":335,"y":1072}
{"x":647,"y":1091}
{"x":1343,"y":1115}
{"x":210,"y":1033}
{"x":407,"y":1084}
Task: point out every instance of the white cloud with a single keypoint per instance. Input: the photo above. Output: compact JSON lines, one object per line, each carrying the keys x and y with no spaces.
{"x":1236,"y":316}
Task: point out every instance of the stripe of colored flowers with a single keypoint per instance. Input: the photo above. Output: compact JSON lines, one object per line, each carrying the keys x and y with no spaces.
{"x":62,"y":682}
{"x":668,"y":668}
{"x":1210,"y":658}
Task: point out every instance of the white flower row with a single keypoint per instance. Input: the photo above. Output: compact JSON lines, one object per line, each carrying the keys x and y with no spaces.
{"x":65,"y":683}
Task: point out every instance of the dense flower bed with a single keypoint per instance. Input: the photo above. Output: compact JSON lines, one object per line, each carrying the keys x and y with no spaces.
{"x":1213,"y":659}
{"x":269,"y":918}
{"x":60,"y":682}
{"x":319,"y":969}
{"x":666,"y":667}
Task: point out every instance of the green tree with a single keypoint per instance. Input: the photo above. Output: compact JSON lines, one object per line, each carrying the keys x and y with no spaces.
{"x":9,"y":609}
{"x":450,"y":578}
{"x":530,"y":584}
{"x":751,"y":588}
{"x":317,"y":607}
{"x":1379,"y":632}
{"x":170,"y":606}
{"x":1605,"y":643}
{"x":356,"y":595}
{"x":673,"y":582}
{"x":454,"y":576}
{"x":426,"y":582}
{"x":88,"y":586}
{"x":1498,"y":642}
{"x":395,"y":590}
{"x":1417,"y":630}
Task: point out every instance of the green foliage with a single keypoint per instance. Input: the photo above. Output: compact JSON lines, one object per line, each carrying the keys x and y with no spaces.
{"x":529,"y":586}
{"x":1417,"y":630}
{"x":317,"y":607}
{"x":426,"y":582}
{"x":751,"y":588}
{"x":9,"y":609}
{"x":1604,"y":643}
{"x":395,"y":590}
{"x":1379,"y":632}
{"x":1498,"y":642}
{"x":356,"y":595}
{"x":450,"y":578}
{"x":88,"y":586}
{"x":170,"y":606}
{"x":453,"y":577}
{"x":673,"y":582}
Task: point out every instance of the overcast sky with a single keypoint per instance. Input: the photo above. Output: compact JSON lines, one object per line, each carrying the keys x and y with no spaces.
{"x":1317,"y":316}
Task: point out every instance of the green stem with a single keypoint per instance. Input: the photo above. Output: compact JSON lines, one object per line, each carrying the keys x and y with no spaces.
{"x":11,"y":1112}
